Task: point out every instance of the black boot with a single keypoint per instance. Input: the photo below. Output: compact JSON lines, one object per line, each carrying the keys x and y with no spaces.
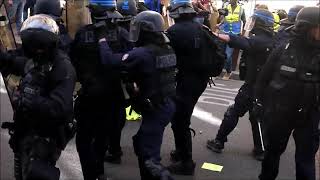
{"x":215,"y":145}
{"x":258,"y":154}
{"x":113,"y":158}
{"x":182,"y":167}
{"x":156,"y":171}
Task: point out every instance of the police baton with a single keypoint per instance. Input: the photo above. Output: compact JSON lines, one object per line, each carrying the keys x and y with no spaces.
{"x":261,"y":137}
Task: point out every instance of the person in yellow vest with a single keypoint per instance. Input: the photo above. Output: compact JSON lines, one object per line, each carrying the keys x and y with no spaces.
{"x":232,"y":24}
{"x":276,"y":18}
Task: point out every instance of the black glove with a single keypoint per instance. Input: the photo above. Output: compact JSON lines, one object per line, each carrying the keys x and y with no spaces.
{"x":257,"y":110}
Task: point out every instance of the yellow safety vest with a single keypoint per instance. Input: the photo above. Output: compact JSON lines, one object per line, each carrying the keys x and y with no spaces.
{"x":276,"y":25}
{"x":233,"y":16}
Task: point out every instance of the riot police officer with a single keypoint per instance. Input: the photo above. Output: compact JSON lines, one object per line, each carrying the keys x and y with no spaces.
{"x":100,"y":103}
{"x":286,"y":25}
{"x":190,"y":45}
{"x":290,"y":20}
{"x":128,"y":10}
{"x":43,"y":101}
{"x":287,"y":90}
{"x":53,"y":9}
{"x":258,"y":47}
{"x":151,"y":68}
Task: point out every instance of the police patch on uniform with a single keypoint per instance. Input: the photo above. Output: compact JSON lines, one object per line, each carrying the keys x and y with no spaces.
{"x":125,"y":57}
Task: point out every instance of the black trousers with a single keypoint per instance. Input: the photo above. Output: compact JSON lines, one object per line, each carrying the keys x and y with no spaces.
{"x":148,"y":140}
{"x":118,"y":115}
{"x":190,"y":86}
{"x":280,"y":124}
{"x":92,"y":135}
{"x":36,"y":158}
{"x":243,"y":104}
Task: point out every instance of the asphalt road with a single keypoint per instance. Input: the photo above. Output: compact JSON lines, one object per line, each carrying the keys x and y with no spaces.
{"x":237,"y":162}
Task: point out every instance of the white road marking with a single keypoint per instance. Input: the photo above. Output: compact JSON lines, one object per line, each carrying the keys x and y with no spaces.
{"x":221,"y":91}
{"x":2,"y":87}
{"x":206,"y":116}
{"x":217,"y":95}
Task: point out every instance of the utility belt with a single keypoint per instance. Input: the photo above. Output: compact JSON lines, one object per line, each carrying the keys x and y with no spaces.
{"x":148,"y":104}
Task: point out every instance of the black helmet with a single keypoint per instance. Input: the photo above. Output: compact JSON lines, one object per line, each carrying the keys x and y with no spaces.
{"x":49,"y":7}
{"x":148,"y":21}
{"x":127,"y":8}
{"x":307,"y":18}
{"x":261,"y":19}
{"x":104,"y":9}
{"x":282,"y":14}
{"x":40,"y":37}
{"x":293,"y":12}
{"x":178,"y":7}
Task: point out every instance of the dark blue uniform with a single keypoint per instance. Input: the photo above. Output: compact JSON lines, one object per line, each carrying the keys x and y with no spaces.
{"x":183,"y":37}
{"x":100,"y":109}
{"x":43,"y":106}
{"x":288,"y":87}
{"x":258,"y":46}
{"x":153,"y":99}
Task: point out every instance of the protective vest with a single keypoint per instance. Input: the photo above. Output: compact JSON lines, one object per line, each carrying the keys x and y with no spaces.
{"x":165,"y":62}
{"x":276,"y":25}
{"x":296,"y":81}
{"x":91,"y":74}
{"x":232,"y":23}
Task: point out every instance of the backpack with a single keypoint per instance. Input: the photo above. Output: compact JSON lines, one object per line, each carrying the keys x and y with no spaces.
{"x":212,"y":53}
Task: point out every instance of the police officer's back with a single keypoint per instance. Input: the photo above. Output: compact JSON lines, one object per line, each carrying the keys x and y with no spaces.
{"x":191,"y":45}
{"x":151,"y":84}
{"x":288,"y":92}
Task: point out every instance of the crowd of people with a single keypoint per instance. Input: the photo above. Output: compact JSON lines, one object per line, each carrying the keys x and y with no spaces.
{"x":126,"y":56}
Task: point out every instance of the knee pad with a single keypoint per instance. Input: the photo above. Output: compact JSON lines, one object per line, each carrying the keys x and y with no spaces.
{"x":41,"y":170}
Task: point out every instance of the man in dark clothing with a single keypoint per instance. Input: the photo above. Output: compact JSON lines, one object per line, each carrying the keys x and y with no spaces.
{"x":257,"y":47}
{"x":43,"y":101}
{"x":287,"y":93}
{"x":100,"y":105}
{"x":187,"y":39}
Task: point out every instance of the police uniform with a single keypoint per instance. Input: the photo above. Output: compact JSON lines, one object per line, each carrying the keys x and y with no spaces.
{"x":43,"y":101}
{"x":152,"y":68}
{"x":288,"y":89}
{"x":99,"y":108}
{"x":185,"y":40}
{"x":257,"y":46}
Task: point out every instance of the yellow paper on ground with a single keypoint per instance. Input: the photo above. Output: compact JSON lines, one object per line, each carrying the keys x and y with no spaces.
{"x":212,"y":167}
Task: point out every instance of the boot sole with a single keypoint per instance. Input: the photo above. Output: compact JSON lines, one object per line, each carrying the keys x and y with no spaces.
{"x":214,"y":149}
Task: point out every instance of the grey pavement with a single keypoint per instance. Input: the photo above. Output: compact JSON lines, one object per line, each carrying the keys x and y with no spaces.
{"x":236,"y":159}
